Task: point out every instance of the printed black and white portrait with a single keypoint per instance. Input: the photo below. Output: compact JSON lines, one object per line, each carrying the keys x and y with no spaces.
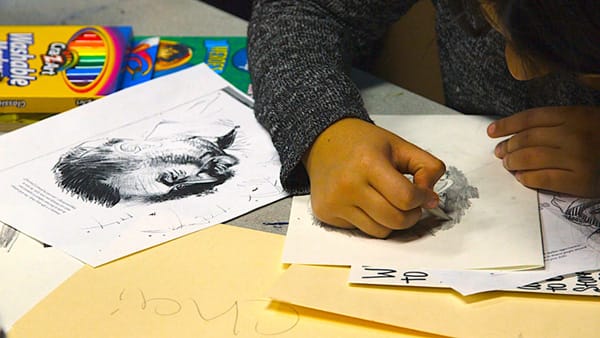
{"x":583,"y":214}
{"x":147,"y":170}
{"x":138,"y":169}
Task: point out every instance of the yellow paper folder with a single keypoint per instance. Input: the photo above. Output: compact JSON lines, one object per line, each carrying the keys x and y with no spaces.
{"x":211,"y":283}
{"x":441,"y":311}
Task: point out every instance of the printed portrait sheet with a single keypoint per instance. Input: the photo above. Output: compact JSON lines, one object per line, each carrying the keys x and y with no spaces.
{"x":571,"y":237}
{"x":494,"y":219}
{"x":139,"y":167}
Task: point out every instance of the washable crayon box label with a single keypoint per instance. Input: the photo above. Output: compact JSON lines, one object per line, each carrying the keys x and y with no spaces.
{"x":50,"y":69}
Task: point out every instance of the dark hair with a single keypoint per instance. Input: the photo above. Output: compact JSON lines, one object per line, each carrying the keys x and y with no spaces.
{"x":85,"y":170}
{"x":562,"y":34}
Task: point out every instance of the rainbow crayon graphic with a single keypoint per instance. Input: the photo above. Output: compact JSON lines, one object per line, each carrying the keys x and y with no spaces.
{"x":92,"y":55}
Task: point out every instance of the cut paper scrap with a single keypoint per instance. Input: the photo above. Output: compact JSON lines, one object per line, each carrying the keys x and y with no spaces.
{"x":495,"y":220}
{"x":211,"y":283}
{"x":583,"y":283}
{"x":440,"y":311}
{"x":30,"y":271}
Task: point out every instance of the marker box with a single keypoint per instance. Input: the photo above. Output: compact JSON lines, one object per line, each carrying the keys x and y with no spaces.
{"x":153,"y":57}
{"x":50,"y":69}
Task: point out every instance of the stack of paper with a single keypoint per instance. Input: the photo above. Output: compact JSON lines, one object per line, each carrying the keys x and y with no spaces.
{"x":142,"y":166}
{"x":495,"y":230}
{"x":229,"y":282}
{"x":570,"y":255}
{"x":137,"y":168}
{"x":495,"y":314}
{"x":500,"y":238}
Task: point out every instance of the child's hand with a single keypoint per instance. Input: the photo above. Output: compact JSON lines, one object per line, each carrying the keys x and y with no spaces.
{"x":552,"y":148}
{"x":356,"y":177}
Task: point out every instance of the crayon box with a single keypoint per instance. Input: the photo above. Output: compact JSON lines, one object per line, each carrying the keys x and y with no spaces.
{"x":152,"y":57}
{"x":50,"y":69}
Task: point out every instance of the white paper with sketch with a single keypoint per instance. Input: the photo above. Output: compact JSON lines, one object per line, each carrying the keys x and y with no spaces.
{"x":571,"y":237}
{"x":139,"y":167}
{"x":495,"y":221}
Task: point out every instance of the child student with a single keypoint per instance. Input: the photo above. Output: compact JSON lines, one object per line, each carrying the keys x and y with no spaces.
{"x":534,"y":62}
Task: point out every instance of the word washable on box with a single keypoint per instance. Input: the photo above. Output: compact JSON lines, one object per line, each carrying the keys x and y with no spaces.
{"x":50,"y":69}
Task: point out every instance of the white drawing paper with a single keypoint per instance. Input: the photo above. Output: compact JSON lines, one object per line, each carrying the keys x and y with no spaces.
{"x":139,"y":167}
{"x":571,"y":244}
{"x":571,"y":237}
{"x":30,"y":271}
{"x":495,"y":221}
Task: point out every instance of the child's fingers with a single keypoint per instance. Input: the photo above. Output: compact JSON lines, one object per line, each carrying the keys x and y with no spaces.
{"x":368,"y":225}
{"x":386,"y":214}
{"x":537,"y":158}
{"x":397,"y":188}
{"x":559,"y":180}
{"x":527,"y":119}
{"x":528,"y":138}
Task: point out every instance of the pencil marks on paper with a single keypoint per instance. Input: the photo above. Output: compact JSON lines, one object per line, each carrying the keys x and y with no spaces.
{"x":455,"y":194}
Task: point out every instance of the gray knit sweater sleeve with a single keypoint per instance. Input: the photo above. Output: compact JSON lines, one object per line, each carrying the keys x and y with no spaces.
{"x":299,"y":56}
